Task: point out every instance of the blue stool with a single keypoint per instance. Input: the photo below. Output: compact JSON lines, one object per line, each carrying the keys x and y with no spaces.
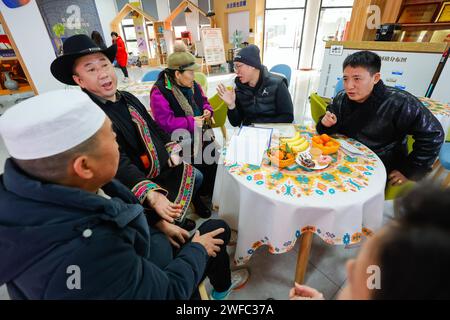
{"x":443,"y":163}
{"x":152,"y":75}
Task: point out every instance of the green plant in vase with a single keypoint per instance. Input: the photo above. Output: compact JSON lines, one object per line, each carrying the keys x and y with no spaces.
{"x":236,"y":39}
{"x":59,"y":29}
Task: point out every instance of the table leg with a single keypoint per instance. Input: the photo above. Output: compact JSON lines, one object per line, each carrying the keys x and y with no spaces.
{"x":439,"y":172}
{"x":446,"y":182}
{"x":303,"y":256}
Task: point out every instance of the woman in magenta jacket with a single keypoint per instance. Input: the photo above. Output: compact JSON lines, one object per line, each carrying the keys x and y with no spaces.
{"x":178,"y":102}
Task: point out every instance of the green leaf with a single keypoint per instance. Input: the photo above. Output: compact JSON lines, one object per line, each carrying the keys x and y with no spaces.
{"x":288,"y":149}
{"x":59,"y":29}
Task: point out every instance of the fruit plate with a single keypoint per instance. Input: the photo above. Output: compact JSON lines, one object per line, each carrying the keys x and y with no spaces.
{"x":328,"y":150}
{"x":318,"y":142}
{"x":316,"y":167}
{"x":281,"y":163}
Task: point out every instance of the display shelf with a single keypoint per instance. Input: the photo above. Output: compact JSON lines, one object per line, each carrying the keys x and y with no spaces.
{"x":22,"y":88}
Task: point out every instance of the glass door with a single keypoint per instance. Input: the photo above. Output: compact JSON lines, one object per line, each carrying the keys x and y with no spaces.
{"x":333,"y":20}
{"x":283,"y":32}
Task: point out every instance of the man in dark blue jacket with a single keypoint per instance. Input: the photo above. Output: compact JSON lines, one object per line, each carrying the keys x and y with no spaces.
{"x":68,"y":231}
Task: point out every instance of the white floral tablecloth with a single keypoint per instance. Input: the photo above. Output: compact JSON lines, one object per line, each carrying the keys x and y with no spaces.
{"x":140,"y":90}
{"x":440,"y":110}
{"x":273,"y":207}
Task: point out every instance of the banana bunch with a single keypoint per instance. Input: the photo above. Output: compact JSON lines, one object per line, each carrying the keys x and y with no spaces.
{"x":297,"y":143}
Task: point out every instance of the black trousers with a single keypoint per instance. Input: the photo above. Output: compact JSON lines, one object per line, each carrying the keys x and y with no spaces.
{"x":208,"y":170}
{"x":125,"y":71}
{"x":217,"y":268}
{"x":209,"y":177}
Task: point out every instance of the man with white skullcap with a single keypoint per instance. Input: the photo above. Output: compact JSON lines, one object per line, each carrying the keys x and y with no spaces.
{"x":67,"y":229}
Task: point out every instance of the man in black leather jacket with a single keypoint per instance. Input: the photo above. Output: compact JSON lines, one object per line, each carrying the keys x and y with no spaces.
{"x":260,"y":96}
{"x":381,"y":117}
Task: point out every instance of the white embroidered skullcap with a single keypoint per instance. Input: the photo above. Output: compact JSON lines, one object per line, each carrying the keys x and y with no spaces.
{"x":50,"y":123}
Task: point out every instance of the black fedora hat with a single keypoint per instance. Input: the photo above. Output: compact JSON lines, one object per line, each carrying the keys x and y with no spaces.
{"x":73,"y":48}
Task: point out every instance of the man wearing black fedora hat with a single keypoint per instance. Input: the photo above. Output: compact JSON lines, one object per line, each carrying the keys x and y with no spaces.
{"x":149,"y":162}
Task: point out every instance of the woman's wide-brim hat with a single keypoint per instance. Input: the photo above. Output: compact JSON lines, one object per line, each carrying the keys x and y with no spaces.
{"x":73,"y":48}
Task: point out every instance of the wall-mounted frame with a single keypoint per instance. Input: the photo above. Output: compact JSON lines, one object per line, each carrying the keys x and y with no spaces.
{"x":65,"y":18}
{"x":419,"y":13}
{"x":444,"y":13}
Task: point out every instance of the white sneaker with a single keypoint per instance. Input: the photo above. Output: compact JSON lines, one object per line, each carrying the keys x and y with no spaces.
{"x":239,"y":279}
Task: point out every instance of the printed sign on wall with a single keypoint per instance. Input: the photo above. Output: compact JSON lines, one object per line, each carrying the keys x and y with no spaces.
{"x":411,"y":71}
{"x":213,"y":47}
{"x":64,"y":18}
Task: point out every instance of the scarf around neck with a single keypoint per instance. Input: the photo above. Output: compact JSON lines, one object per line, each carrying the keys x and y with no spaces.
{"x":184,"y":97}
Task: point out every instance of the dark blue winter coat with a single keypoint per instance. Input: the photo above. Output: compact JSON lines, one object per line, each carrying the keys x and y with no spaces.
{"x":49,"y":231}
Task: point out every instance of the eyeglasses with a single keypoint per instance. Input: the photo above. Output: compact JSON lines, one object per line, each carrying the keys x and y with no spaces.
{"x":236,"y":67}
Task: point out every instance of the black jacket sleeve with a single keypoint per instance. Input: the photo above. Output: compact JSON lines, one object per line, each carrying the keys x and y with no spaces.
{"x":428,"y":136}
{"x":334,"y":107}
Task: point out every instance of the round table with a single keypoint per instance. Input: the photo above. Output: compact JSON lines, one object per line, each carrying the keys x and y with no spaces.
{"x":440,"y":110}
{"x":275,"y":207}
{"x":140,"y":90}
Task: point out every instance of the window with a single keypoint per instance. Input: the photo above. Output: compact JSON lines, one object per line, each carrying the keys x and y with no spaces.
{"x":334,"y":15}
{"x":132,"y":47}
{"x":273,"y":4}
{"x":150,"y":31}
{"x":337,"y":3}
{"x":179,"y":30}
{"x":151,"y":40}
{"x":283,"y":29}
{"x":129,"y":34}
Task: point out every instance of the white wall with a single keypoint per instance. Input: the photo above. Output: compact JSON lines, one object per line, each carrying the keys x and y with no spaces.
{"x":107,"y":11}
{"x":31,"y":37}
{"x":163,"y":9}
{"x":192,"y":23}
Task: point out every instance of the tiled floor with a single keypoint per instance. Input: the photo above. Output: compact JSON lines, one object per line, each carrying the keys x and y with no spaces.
{"x":272,"y":275}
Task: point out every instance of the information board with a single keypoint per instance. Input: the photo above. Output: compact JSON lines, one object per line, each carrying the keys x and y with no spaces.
{"x":213,"y":48}
{"x":411,"y":71}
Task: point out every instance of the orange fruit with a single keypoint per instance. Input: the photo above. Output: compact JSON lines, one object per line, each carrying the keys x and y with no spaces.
{"x":325,"y":138}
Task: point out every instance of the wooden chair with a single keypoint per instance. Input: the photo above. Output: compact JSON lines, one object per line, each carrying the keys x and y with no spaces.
{"x":203,"y":293}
